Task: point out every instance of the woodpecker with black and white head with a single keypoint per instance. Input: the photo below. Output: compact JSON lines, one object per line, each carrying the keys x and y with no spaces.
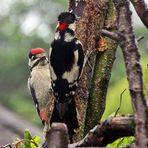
{"x":39,"y":85}
{"x":66,"y":60}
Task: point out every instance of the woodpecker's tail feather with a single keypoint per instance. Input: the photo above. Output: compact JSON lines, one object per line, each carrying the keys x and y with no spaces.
{"x":66,"y":112}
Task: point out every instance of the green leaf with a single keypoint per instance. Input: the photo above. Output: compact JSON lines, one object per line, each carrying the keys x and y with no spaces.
{"x":27,"y":136}
{"x":122,"y":142}
{"x":37,"y":140}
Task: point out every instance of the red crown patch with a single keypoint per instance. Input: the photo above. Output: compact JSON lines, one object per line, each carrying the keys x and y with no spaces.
{"x":37,"y":51}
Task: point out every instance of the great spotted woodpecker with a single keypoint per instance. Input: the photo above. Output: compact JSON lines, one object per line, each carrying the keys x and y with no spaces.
{"x":39,"y":85}
{"x":66,"y":60}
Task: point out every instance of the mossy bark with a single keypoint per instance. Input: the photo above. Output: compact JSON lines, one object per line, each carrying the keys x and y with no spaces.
{"x":92,"y":89}
{"x":101,"y":76}
{"x":88,"y":28}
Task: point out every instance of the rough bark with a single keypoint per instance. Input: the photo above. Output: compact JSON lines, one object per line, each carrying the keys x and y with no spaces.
{"x":134,"y":71}
{"x":102,"y":72}
{"x":88,"y":27}
{"x":107,"y":132}
{"x":142,"y":10}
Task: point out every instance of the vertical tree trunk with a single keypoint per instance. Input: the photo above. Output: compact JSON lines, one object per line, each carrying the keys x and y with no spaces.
{"x":134,"y":71}
{"x":88,"y":29}
{"x":102,"y":72}
{"x":142,"y":10}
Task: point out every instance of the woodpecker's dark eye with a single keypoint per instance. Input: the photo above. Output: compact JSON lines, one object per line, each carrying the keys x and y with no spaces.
{"x":33,"y":57}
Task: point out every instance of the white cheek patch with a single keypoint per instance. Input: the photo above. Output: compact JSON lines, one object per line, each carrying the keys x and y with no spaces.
{"x":31,"y":62}
{"x":73,"y":74}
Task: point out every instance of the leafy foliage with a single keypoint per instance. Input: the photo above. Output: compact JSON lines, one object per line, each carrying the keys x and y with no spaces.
{"x":122,"y":142}
{"x":33,"y":141}
{"x":28,"y":142}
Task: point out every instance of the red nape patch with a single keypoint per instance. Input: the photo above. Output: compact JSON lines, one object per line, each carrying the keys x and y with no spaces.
{"x":37,"y":51}
{"x":63,"y":26}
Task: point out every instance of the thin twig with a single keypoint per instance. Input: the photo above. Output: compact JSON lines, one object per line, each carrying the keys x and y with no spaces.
{"x":26,"y":140}
{"x":20,"y":141}
{"x":140,"y":38}
{"x":120,"y":102}
{"x":119,"y":143}
{"x":7,"y":145}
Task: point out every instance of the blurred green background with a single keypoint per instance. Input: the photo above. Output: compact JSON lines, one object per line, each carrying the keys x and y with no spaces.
{"x":28,"y":24}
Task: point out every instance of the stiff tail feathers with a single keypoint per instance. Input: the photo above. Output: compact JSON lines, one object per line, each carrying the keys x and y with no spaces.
{"x":66,"y":112}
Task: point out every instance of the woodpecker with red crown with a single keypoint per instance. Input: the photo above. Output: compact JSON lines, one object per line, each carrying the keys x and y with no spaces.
{"x":39,"y":85}
{"x":66,"y":59}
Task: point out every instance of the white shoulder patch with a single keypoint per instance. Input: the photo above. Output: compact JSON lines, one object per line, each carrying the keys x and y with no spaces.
{"x":72,"y":75}
{"x":57,"y":36}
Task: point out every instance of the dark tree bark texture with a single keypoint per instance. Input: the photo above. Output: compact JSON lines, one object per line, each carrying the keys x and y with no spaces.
{"x":107,"y":132}
{"x":134,"y":71}
{"x":142,"y":10}
{"x":94,"y":79}
{"x":102,"y":71}
{"x":88,"y":29}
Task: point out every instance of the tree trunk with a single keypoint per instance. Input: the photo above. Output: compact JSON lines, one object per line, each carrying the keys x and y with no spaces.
{"x":102,"y":72}
{"x":134,"y":71}
{"x":88,"y":29}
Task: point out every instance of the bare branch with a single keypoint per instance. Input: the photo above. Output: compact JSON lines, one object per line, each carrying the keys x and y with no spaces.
{"x":140,"y":38}
{"x":142,"y":10}
{"x":107,"y":132}
{"x":112,"y":35}
{"x":6,"y":146}
{"x":116,"y":36}
{"x":120,"y":102}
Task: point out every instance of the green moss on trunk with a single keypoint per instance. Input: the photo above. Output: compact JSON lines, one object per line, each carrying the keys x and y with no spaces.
{"x":101,"y":75}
